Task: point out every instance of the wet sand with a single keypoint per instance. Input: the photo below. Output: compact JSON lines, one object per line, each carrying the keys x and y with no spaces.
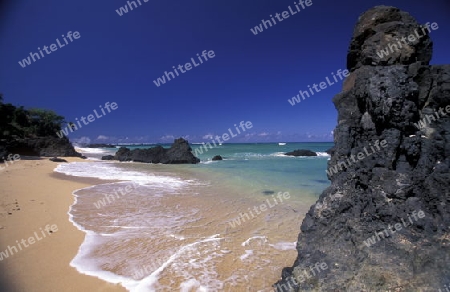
{"x":32,"y":197}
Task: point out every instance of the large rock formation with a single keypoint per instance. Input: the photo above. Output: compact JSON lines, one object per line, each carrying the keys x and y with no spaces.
{"x":405,"y":184}
{"x":41,"y":146}
{"x":179,"y":152}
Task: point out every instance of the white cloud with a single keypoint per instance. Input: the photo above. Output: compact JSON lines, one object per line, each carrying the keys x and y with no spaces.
{"x":82,"y":140}
{"x":102,"y":137}
{"x":166,"y":138}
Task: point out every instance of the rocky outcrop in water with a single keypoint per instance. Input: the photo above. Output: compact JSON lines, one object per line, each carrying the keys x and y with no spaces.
{"x":383,"y":224}
{"x":178,"y":153}
{"x":108,"y":157}
{"x":301,"y":152}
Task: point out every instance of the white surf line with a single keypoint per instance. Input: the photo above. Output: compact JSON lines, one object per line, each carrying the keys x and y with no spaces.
{"x":247,"y":242}
{"x":149,"y":280}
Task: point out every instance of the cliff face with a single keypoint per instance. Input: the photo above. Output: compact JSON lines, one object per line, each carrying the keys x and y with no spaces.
{"x":384,"y":223}
{"x":41,"y":146}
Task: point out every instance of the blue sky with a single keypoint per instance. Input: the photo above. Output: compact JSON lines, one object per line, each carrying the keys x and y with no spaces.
{"x":116,"y":58}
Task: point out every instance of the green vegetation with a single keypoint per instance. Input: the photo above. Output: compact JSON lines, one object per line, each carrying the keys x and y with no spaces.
{"x":17,"y":122}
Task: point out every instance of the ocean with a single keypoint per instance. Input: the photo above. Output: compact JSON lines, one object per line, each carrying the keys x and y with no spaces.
{"x":228,"y":225}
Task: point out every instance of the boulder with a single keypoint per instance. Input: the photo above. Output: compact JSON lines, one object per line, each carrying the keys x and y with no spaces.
{"x":56,"y":159}
{"x":301,"y":152}
{"x":108,"y":157}
{"x":179,"y":153}
{"x":381,"y":27}
{"x":217,"y":157}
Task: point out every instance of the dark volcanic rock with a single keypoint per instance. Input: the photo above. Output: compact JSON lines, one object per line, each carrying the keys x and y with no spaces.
{"x":56,"y":159}
{"x":178,"y":153}
{"x":217,"y":157}
{"x":301,"y":152}
{"x":3,"y":151}
{"x":381,"y":100}
{"x":108,"y":157}
{"x":378,"y":28}
{"x":42,"y":146}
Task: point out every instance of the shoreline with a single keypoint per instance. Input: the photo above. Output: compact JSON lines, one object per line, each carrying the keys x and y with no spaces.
{"x":32,"y":197}
{"x":41,"y":209}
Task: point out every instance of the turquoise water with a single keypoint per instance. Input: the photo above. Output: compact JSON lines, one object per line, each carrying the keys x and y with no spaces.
{"x":267,"y":166}
{"x":263,"y":166}
{"x":212,"y":226}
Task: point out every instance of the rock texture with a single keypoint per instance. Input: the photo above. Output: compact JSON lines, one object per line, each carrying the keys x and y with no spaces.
{"x":382,"y":26}
{"x":3,"y":151}
{"x":217,"y":157}
{"x":41,"y":146}
{"x":330,"y":151}
{"x":108,"y":157}
{"x":301,"y":152}
{"x":179,"y":152}
{"x":384,"y":99}
{"x":57,"y":159}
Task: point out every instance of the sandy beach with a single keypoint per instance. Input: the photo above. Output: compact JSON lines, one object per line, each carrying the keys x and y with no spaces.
{"x":31,"y":198}
{"x":38,"y":241}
